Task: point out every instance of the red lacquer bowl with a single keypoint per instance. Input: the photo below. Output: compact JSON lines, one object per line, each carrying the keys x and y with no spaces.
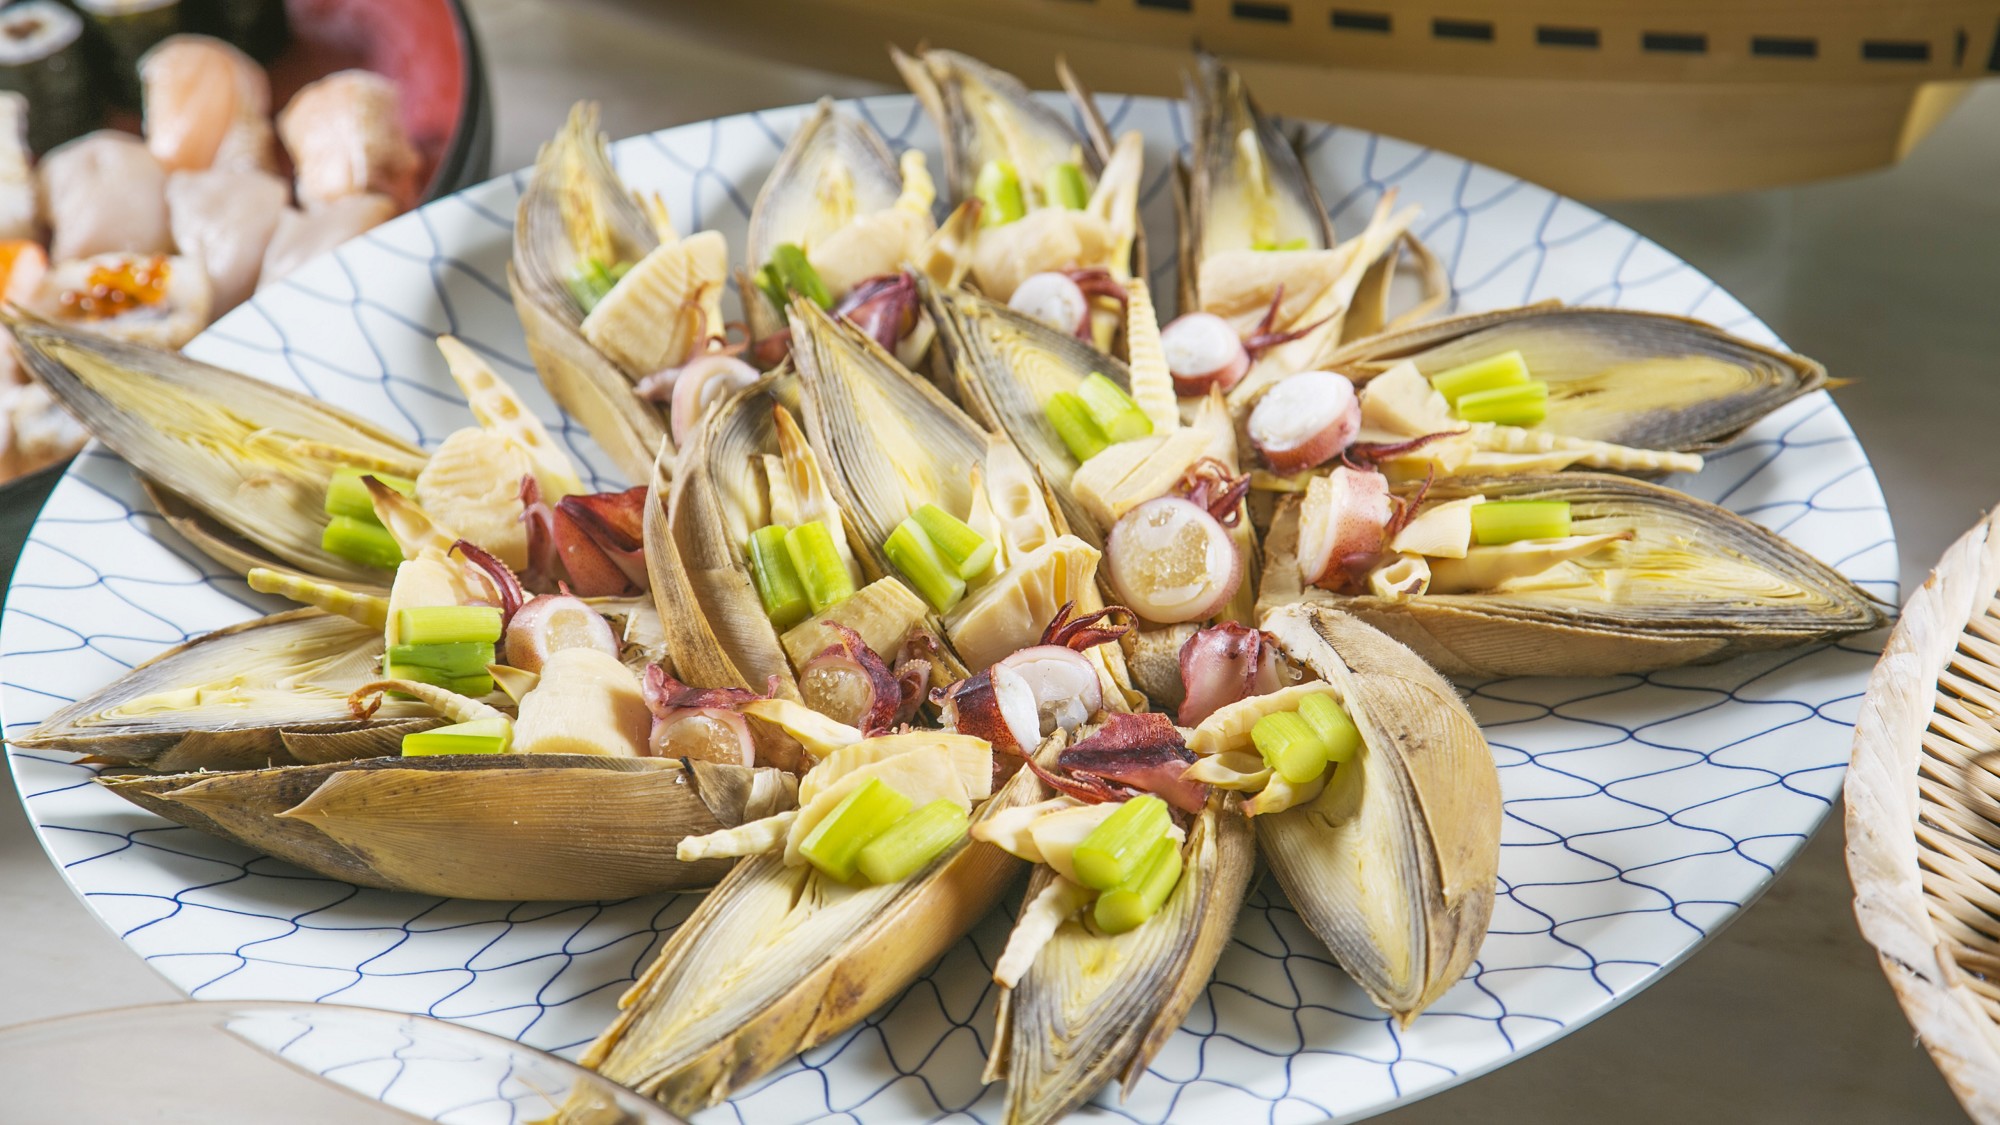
{"x":424,"y":46}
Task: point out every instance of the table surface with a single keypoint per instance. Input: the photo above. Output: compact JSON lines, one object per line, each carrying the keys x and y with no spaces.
{"x":1888,"y":278}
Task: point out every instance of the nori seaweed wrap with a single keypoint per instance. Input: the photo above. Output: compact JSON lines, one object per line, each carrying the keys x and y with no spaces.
{"x":124,"y":30}
{"x":42,"y":57}
{"x":258,"y":28}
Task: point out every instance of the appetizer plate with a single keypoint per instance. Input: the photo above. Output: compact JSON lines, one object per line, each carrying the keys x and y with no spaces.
{"x":1642,"y":812}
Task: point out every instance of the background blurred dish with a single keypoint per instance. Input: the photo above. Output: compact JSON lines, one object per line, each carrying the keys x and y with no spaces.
{"x":426,"y":48}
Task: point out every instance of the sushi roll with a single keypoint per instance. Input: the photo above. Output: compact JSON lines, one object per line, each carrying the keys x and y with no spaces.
{"x":151,"y":299}
{"x":224,"y":219}
{"x":43,"y":58}
{"x":23,"y":264}
{"x":34,"y":429}
{"x":257,"y":27}
{"x":345,"y":136}
{"x":104,"y":192}
{"x":207,"y":105}
{"x":17,"y":175}
{"x":304,"y":235}
{"x":124,"y":30}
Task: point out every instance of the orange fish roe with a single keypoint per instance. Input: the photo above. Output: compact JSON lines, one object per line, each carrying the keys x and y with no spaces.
{"x":131,"y":284}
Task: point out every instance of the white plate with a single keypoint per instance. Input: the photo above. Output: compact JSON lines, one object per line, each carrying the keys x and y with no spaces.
{"x":1642,"y":812}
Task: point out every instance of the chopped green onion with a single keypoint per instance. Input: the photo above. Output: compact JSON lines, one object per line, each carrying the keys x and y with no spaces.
{"x":1299,"y":243}
{"x":1524,"y":405}
{"x":834,"y":845}
{"x":1128,"y":905}
{"x":1290,"y":746}
{"x":448,"y":625}
{"x":362,"y":541}
{"x":913,"y":842}
{"x":1114,"y":849}
{"x":914,"y":556}
{"x":593,"y":279}
{"x":465,"y":658}
{"x":778,"y":585}
{"x":999,"y":188}
{"x":583,"y":285}
{"x":480,"y":736}
{"x":347,"y":496}
{"x":1078,"y":430}
{"x":1066,"y":188}
{"x":1114,"y":411}
{"x":1335,"y":729}
{"x":797,"y":275}
{"x":1508,"y":369}
{"x":968,"y":550}
{"x":772,"y":289}
{"x":818,"y":564}
{"x":473,"y":686}
{"x":1508,"y":521}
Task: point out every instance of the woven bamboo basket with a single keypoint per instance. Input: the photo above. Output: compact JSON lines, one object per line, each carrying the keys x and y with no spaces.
{"x":1923,"y":816}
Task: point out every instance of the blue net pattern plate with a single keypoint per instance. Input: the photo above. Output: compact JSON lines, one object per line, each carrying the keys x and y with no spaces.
{"x":1641,"y":812}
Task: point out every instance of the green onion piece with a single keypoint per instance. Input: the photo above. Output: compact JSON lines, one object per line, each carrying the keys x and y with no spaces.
{"x":1111,"y":854}
{"x":965,"y":548}
{"x":778,"y":585}
{"x":1508,"y":369}
{"x":1127,"y":906}
{"x":772,"y":288}
{"x":914,"y":556}
{"x":1335,"y":729}
{"x":474,"y":686}
{"x":798,"y":275}
{"x":448,"y":625}
{"x":818,"y":564}
{"x":1290,"y":746}
{"x":347,"y":496}
{"x":834,"y":845}
{"x":466,"y":658}
{"x":999,"y":188}
{"x":1114,"y":411}
{"x":1078,"y":430}
{"x":1524,"y":405}
{"x":365,"y":542}
{"x":913,"y":842}
{"x":1299,"y":243}
{"x":592,"y":280}
{"x":1066,"y":188}
{"x":480,"y":736}
{"x":1508,"y":521}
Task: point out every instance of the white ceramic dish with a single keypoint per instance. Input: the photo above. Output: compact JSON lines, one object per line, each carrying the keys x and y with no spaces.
{"x":1642,"y":812}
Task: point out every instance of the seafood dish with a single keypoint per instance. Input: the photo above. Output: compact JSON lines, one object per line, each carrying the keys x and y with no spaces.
{"x":150,"y":237}
{"x":596,"y":271}
{"x":1627,"y":576}
{"x":953,"y":576}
